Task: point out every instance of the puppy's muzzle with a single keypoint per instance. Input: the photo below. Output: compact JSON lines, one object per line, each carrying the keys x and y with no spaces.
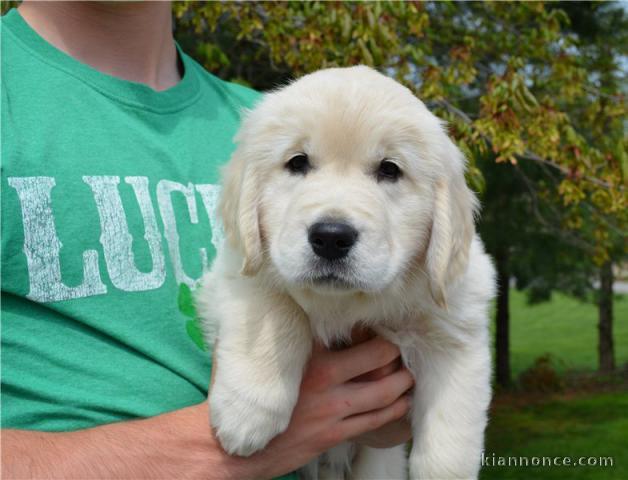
{"x":332,"y":240}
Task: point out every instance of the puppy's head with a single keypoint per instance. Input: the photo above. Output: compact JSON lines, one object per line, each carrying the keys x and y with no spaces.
{"x":343,"y":181}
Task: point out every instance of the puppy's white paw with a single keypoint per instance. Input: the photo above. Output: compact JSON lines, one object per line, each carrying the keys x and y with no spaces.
{"x":424,"y":465}
{"x":242,"y":425}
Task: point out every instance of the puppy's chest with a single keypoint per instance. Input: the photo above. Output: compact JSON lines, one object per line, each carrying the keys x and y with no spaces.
{"x":333,"y":324}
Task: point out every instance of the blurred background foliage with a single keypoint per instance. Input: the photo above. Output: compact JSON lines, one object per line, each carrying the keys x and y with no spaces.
{"x":535,"y":95}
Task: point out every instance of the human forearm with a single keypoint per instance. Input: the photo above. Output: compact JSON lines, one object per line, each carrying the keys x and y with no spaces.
{"x":174,"y":445}
{"x":331,"y":409}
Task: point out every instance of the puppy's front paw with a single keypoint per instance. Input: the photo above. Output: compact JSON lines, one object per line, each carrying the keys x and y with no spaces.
{"x":242,"y":425}
{"x":458,"y":465}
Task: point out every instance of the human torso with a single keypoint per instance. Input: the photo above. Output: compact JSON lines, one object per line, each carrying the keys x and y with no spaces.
{"x":108,"y":210}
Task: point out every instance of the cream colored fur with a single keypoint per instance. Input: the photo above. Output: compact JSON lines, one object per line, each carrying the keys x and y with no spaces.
{"x":419,"y":275}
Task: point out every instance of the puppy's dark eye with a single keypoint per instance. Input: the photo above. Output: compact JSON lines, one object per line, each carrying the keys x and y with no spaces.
{"x":299,"y":164}
{"x":388,"y":171}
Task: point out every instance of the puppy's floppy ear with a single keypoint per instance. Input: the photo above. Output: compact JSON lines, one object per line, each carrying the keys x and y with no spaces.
{"x":239,"y":208}
{"x":452,"y":226}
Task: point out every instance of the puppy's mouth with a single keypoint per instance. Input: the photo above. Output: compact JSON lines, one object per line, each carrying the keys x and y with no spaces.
{"x":333,"y":281}
{"x":329,"y":278}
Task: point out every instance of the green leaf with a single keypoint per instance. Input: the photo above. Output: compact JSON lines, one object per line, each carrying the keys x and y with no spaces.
{"x":346,"y":26}
{"x":623,"y":160}
{"x":366,"y":55}
{"x":195,"y":333}
{"x":186,"y":301}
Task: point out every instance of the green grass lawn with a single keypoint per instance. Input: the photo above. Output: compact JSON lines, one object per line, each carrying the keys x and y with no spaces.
{"x":563,"y":327}
{"x":583,"y":426}
{"x":590,"y":424}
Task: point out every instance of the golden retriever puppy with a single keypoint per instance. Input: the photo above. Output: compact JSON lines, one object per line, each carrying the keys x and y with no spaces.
{"x":345,"y":204}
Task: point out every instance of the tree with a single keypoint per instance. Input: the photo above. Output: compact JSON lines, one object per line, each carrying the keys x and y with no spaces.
{"x":603,"y":29}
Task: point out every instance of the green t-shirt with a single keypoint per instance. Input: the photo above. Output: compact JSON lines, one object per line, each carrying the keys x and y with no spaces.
{"x":108,"y":201}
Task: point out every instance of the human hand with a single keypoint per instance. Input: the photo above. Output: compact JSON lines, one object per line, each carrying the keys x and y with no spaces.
{"x":336,"y":404}
{"x":395,"y":432}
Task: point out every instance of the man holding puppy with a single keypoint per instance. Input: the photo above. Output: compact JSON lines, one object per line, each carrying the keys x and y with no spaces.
{"x":111,"y":143}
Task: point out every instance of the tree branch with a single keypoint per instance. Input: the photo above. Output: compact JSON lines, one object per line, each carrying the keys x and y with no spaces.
{"x":528,"y":155}
{"x":551,"y":226}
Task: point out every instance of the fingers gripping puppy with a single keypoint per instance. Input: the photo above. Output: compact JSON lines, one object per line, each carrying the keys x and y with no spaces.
{"x":345,"y":203}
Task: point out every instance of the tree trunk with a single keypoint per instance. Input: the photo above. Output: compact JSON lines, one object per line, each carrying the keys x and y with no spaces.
{"x":606,"y":352}
{"x":502,"y":321}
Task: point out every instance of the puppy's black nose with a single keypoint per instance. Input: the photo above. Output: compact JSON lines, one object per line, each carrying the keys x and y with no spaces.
{"x":332,"y":240}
